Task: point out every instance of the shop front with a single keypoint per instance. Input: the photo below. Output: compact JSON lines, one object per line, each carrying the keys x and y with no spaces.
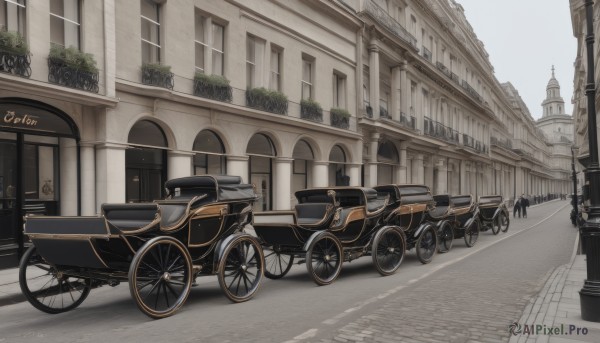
{"x":39,"y":169}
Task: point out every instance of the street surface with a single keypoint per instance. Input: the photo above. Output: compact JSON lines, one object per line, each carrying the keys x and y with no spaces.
{"x":468,"y":294}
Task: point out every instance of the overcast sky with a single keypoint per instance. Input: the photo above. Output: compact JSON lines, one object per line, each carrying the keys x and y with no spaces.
{"x":524,"y":38}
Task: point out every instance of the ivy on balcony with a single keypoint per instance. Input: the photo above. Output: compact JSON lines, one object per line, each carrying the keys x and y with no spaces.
{"x":311,"y":110}
{"x":14,"y":54}
{"x":72,"y":68}
{"x":214,"y":87}
{"x":340,"y":118}
{"x":267,"y":100}
{"x":156,"y":74}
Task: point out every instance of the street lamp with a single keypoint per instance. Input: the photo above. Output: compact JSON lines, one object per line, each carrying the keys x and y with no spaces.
{"x":590,"y":229}
{"x":574,"y":200}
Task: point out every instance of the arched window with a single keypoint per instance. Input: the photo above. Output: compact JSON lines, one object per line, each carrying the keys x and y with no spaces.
{"x":261,"y":151}
{"x":302,"y":165}
{"x":145,"y":162}
{"x":388,"y":158}
{"x":210,"y":154}
{"x":337,"y":167}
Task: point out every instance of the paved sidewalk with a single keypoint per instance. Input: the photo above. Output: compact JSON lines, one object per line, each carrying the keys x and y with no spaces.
{"x":10,"y":292}
{"x":558,"y":306}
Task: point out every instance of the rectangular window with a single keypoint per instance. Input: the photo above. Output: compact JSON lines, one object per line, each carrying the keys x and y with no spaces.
{"x":275,"y":75}
{"x":150,"y":14}
{"x":339,"y":90}
{"x":307,"y":78}
{"x":200,"y":43}
{"x":65,"y":23}
{"x":218,"y":52}
{"x":250,"y":62}
{"x":12,"y":15}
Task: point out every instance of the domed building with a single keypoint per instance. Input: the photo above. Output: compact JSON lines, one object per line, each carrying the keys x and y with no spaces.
{"x":555,"y":123}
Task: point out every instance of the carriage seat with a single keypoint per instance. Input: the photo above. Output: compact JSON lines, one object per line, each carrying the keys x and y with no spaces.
{"x":312,"y":213}
{"x":129,"y":217}
{"x":439,"y":211}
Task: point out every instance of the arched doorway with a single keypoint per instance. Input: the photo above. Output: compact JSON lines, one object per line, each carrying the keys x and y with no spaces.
{"x":39,"y":169}
{"x":210,"y":154}
{"x":261,"y":151}
{"x":145,"y":162}
{"x":388,"y":158}
{"x":302,"y":167}
{"x":337,"y":167}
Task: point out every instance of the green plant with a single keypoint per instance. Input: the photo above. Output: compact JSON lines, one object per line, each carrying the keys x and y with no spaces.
{"x":161,"y":68}
{"x":73,"y":57}
{"x":340,"y":118}
{"x":12,"y":41}
{"x":212,"y":86}
{"x":310,"y":109}
{"x":214,"y":80}
{"x":340,"y":113}
{"x":267,"y":100}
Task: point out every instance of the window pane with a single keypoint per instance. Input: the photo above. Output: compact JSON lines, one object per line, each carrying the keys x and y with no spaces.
{"x":275,"y":61}
{"x":150,"y":31}
{"x":57,"y":7}
{"x":200,"y":20}
{"x":146,"y":132}
{"x":250,"y":49}
{"x":215,"y":165}
{"x":249,"y":75}
{"x":57,"y":31}
{"x":260,"y":144}
{"x":337,"y":154}
{"x":200,"y":56}
{"x":208,"y":141}
{"x":71,"y":10}
{"x":306,"y":91}
{"x":71,"y":34}
{"x":217,"y":63}
{"x":274,"y":82}
{"x":218,"y":37}
{"x":306,"y":71}
{"x":150,"y":53}
{"x":150,"y":10}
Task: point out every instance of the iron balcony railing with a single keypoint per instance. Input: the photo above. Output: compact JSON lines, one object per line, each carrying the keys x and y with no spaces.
{"x":15,"y":63}
{"x":382,"y":17}
{"x":471,"y":91}
{"x":474,"y":144}
{"x":59,"y":72}
{"x":505,"y":143}
{"x":438,"y":130}
{"x":427,"y":54}
{"x":383,"y":113}
{"x":447,"y":72}
{"x":408,"y":121}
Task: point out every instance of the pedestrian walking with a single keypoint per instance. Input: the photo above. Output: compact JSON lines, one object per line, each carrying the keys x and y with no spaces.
{"x":517,"y":208}
{"x":524,"y":205}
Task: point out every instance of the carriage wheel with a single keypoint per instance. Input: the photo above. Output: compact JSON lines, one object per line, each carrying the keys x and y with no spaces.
{"x":445,"y":235}
{"x":241,"y":268}
{"x":388,"y":250}
{"x":472,"y":233}
{"x":426,"y":245}
{"x":160,"y":277}
{"x":277,"y":264}
{"x":504,"y":221}
{"x":496,"y":225}
{"x":324,"y":259}
{"x":47,"y":288}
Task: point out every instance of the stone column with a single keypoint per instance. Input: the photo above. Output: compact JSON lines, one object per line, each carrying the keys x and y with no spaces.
{"x":374,"y":79}
{"x":238,"y":165}
{"x":371,"y":180}
{"x":441,"y":182}
{"x":68,"y":176}
{"x":396,"y":91}
{"x":463,"y":177}
{"x":353,"y":171}
{"x":283,"y":183}
{"x":110,"y":174}
{"x":320,"y":175}
{"x":88,"y":179}
{"x":405,"y":89}
{"x":179,"y":164}
{"x":402,"y":178}
{"x":418,"y":173}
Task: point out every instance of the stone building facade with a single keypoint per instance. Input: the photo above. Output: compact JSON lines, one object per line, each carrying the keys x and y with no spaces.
{"x":286,"y":94}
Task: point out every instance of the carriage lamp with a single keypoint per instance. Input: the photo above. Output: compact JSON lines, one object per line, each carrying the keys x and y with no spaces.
{"x":590,"y":229}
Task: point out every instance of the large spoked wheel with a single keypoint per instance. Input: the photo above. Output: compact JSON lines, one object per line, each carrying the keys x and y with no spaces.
{"x":504,"y":221}
{"x":388,"y":250}
{"x":496,"y":225}
{"x":241,"y":268}
{"x":445,"y":235}
{"x":276,"y":263}
{"x":160,"y":277}
{"x":48,"y":289}
{"x":427,"y":245}
{"x":324,"y":259}
{"x":472,"y":233}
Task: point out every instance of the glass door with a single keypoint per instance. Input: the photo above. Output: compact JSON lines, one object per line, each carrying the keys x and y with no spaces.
{"x":8,"y":192}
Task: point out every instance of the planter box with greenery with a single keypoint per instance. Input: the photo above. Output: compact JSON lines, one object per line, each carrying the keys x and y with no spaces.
{"x":340,"y":118}
{"x":156,"y":74}
{"x":14,"y":54}
{"x":267,"y":100}
{"x":72,"y":68}
{"x":311,"y":110}
{"x":214,"y":87}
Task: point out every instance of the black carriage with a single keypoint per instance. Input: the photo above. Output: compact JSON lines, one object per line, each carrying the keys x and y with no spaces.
{"x":408,"y":208}
{"x":159,"y":248}
{"x":455,"y":217}
{"x":493,"y":214}
{"x":327,"y":227}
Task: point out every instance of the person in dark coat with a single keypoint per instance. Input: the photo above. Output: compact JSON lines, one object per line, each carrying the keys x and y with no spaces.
{"x":517,"y":208}
{"x":524,"y":205}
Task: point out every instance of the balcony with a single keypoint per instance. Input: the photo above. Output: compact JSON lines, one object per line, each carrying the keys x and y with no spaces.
{"x":505,"y":143}
{"x":382,"y":17}
{"x":383,"y":113}
{"x":213,"y":87}
{"x":447,"y":72}
{"x":472,"y":92}
{"x":158,"y":75}
{"x":62,"y":74}
{"x":15,"y":63}
{"x":440,"y":131}
{"x":427,"y":54}
{"x":408,"y":122}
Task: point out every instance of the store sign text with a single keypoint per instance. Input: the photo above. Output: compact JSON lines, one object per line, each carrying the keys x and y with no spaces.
{"x":20,"y":120}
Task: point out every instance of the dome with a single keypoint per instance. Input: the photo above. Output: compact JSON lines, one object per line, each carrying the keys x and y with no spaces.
{"x":553,"y":83}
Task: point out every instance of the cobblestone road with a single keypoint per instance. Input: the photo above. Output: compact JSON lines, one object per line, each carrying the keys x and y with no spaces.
{"x":475,"y":299}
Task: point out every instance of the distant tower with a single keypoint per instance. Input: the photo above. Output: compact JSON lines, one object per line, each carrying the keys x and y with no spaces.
{"x":554,"y":103}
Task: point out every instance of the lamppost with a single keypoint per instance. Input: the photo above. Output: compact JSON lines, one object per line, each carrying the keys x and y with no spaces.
{"x":574,"y":200}
{"x":590,"y":229}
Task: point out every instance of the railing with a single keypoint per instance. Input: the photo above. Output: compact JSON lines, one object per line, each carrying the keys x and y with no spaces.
{"x":383,"y":113}
{"x":408,"y":122}
{"x":447,"y":72}
{"x":438,"y":130}
{"x":154,"y":77}
{"x":13,"y":63}
{"x":380,"y":15}
{"x":62,"y":74}
{"x":427,"y":54}
{"x":468,"y":141}
{"x":471,"y":91}
{"x":505,"y":143}
{"x":212,"y":91}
